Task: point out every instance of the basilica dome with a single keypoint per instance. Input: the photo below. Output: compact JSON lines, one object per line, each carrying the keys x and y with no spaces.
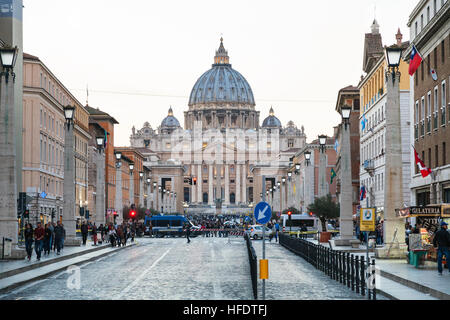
{"x":170,"y":121}
{"x":221,"y":84}
{"x":271,"y":121}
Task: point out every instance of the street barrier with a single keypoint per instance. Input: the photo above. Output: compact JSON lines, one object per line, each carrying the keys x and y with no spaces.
{"x":346,"y":268}
{"x":253,"y":265}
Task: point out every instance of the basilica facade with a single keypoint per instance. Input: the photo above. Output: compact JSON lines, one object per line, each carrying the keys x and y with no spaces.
{"x":223,"y":160}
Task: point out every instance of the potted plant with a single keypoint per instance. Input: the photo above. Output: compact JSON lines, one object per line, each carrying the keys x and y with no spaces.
{"x":324,"y":208}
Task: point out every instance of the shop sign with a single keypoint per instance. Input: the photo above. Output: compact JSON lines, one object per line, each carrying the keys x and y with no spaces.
{"x":432,"y":211}
{"x":367,"y":219}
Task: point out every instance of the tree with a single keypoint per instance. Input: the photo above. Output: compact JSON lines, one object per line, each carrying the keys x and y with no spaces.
{"x":324,"y":208}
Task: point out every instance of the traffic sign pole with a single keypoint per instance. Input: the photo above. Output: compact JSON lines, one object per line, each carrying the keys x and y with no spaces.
{"x":264,"y":236}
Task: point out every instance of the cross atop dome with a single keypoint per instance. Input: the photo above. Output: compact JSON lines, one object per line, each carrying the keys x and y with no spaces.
{"x":271,"y":112}
{"x":221,"y":56}
{"x":170,"y":113}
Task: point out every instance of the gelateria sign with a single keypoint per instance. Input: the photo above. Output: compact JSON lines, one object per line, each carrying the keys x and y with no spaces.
{"x":429,"y":211}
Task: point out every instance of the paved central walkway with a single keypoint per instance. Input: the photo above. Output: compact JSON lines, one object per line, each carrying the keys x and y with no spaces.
{"x":205,"y":269}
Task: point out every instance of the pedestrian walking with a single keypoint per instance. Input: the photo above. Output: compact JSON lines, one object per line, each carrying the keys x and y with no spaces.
{"x":112,"y":237}
{"x":39,"y":233}
{"x":47,"y":239}
{"x":84,"y":232}
{"x":94,"y":234}
{"x":102,"y":233}
{"x":59,"y":237}
{"x":277,"y":230}
{"x":442,"y":242}
{"x":54,"y":237}
{"x":29,"y":240}
{"x":188,"y":232}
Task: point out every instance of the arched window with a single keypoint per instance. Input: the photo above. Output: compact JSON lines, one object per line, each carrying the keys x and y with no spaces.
{"x":205,"y":197}
{"x":232,"y":198}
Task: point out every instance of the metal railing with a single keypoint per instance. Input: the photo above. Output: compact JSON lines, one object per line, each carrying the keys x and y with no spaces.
{"x":346,"y":268}
{"x":253,"y":260}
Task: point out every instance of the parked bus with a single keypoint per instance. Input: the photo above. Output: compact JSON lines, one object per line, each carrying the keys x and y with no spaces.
{"x":297,"y":220}
{"x":168,"y":226}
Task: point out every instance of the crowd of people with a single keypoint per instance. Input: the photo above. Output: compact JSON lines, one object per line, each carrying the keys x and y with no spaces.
{"x":48,"y":238}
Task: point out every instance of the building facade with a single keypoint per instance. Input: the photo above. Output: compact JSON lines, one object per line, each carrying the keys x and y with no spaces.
{"x":107,"y":122}
{"x":430,"y":109}
{"x":222,"y":147}
{"x":373,"y":124}
{"x":44,"y":97}
{"x":349,"y":96}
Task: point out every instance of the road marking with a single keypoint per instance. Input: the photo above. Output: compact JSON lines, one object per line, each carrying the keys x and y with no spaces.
{"x":142,"y":275}
{"x":218,"y":294}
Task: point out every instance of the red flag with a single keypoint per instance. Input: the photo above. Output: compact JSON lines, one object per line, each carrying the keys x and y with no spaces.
{"x":422,"y":168}
{"x":415,"y":61}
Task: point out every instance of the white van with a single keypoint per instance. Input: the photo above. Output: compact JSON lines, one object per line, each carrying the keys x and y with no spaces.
{"x":297,"y":220}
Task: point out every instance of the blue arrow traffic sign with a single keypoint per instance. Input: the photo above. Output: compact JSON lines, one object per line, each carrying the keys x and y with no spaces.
{"x":263,"y":212}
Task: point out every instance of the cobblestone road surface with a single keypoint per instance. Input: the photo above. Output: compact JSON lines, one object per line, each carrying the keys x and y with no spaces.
{"x":205,"y":269}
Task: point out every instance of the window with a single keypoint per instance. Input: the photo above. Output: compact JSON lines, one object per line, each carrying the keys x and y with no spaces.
{"x":290,"y":143}
{"x":430,"y":165}
{"x":434,"y":7}
{"x":428,"y":14}
{"x":436,"y":156}
{"x":443,"y":102}
{"x":444,"y":162}
{"x":435,"y":112}
{"x":421,"y":22}
{"x":416,"y":29}
{"x":443,"y":51}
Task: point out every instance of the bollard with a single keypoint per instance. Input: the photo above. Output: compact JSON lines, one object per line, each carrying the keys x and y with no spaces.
{"x":374,"y":289}
{"x":348,"y":269}
{"x":363,"y":276}
{"x":357,"y":273}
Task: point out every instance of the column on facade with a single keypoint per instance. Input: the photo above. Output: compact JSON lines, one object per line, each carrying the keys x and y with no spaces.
{"x":244,"y":183}
{"x":227,"y":184}
{"x":131,"y":188}
{"x":148,"y":195}
{"x":199,"y":184}
{"x":141,"y":192}
{"x":238,"y":183}
{"x":210,"y":184}
{"x":193,"y":197}
{"x":160,"y":203}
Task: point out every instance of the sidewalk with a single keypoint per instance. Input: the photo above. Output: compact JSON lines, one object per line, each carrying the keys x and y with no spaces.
{"x":17,"y":273}
{"x":400,"y":280}
{"x":12,"y":267}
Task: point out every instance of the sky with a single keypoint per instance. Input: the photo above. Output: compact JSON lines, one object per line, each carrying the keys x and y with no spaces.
{"x":139,"y":57}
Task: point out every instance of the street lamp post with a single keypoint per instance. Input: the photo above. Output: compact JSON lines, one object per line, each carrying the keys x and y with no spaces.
{"x":69,"y":220}
{"x":141,"y":189}
{"x":100,"y":190}
{"x":131,"y":166}
{"x":307,"y":157}
{"x":8,"y":173}
{"x":322,"y":167}
{"x":149,"y":184}
{"x":155,"y":196}
{"x":394,"y":228}
{"x":119,"y":204}
{"x":346,"y":201}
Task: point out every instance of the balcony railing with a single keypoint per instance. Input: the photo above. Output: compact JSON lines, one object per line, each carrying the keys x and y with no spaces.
{"x":428,"y":125}
{"x":416,"y":132}
{"x":368,"y":165}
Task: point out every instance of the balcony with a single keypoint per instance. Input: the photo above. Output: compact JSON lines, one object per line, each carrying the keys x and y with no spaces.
{"x":369,"y":167}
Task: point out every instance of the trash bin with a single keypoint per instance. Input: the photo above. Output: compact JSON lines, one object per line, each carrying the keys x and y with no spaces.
{"x":6,"y":247}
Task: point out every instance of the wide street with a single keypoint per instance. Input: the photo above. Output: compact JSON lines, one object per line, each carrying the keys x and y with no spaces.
{"x":205,"y":269}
